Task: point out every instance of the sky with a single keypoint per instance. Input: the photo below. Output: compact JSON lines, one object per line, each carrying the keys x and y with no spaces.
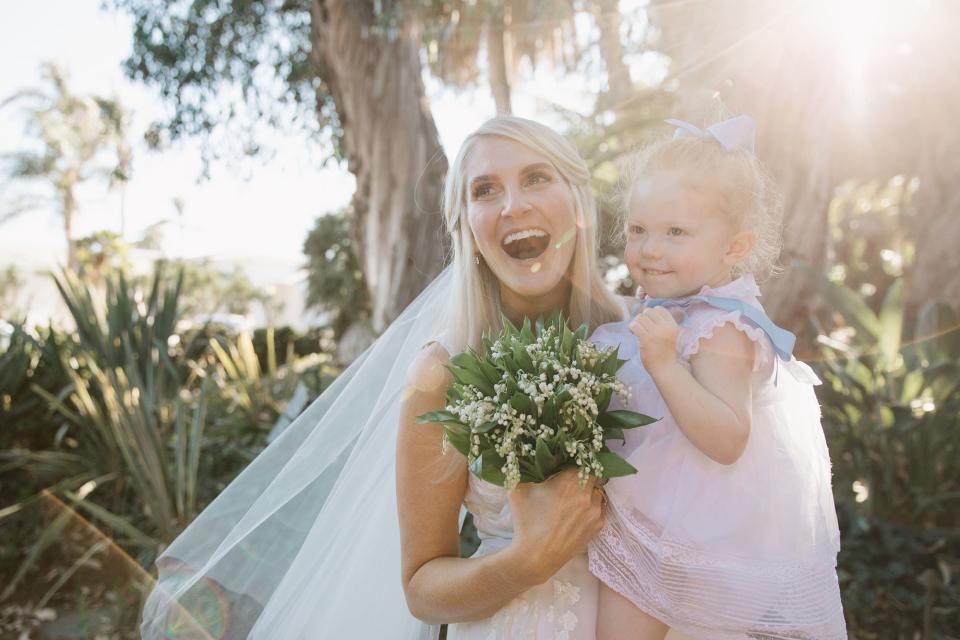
{"x":265,"y":214}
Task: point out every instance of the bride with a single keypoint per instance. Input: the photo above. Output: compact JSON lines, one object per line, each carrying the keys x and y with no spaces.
{"x":347,"y":525}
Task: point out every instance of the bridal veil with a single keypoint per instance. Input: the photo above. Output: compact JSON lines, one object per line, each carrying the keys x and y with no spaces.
{"x":305,"y":542}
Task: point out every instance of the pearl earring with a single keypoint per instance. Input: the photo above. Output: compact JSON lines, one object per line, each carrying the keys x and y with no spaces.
{"x":476,"y":259}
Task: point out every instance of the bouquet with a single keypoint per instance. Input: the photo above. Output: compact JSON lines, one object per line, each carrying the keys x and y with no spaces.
{"x":535,"y":404}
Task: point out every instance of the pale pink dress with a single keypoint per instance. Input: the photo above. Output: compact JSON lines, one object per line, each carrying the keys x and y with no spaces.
{"x":741,"y":551}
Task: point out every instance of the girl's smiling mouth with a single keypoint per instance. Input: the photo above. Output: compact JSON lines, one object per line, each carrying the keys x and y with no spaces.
{"x":655,"y":272}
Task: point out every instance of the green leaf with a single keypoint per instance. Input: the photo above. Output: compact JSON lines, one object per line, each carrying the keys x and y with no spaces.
{"x":467,"y":361}
{"x":859,"y":373}
{"x":437,"y":416}
{"x":548,"y":415}
{"x":488,"y":467}
{"x":623,"y":419}
{"x":603,"y":400}
{"x":546,"y":460}
{"x":614,"y":466}
{"x":526,"y":335}
{"x":581,"y":427}
{"x":912,"y":386}
{"x":509,"y":329}
{"x":614,"y":433}
{"x":459,"y":439}
{"x":613,"y":363}
{"x":489,"y":371}
{"x":465,"y":376}
{"x":938,"y":332}
{"x":115,"y":521}
{"x":944,"y":382}
{"x":581,"y":332}
{"x":567,"y":339}
{"x":522,"y":403}
{"x":891,"y":325}
{"x":851,"y":306}
{"x":529,"y":471}
{"x":509,"y":364}
{"x":522,"y":358}
{"x":485,"y":427}
{"x":454,"y":395}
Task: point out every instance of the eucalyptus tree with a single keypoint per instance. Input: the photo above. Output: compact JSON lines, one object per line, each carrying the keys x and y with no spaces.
{"x":348,"y":76}
{"x":345,"y":75}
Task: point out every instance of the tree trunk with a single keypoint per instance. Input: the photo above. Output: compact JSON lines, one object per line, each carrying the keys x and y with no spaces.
{"x":372,"y":70}
{"x":69,"y":210}
{"x":619,"y":83}
{"x":497,"y":61}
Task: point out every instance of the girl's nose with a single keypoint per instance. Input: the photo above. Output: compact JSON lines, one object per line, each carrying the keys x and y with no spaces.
{"x":650,"y":248}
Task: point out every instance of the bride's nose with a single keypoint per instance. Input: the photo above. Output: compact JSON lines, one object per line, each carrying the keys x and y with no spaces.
{"x":515,"y":202}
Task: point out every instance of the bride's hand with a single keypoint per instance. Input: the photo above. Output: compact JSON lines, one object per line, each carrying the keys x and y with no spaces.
{"x":554,"y":520}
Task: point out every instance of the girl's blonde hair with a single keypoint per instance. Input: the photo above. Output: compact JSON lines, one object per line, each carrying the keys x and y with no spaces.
{"x":476,"y":305}
{"x":743,"y":190}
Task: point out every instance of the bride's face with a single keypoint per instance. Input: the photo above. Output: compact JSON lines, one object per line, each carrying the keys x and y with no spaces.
{"x":522,"y":215}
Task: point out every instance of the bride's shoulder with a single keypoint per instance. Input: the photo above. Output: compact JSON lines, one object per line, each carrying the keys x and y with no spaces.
{"x":428,"y":372}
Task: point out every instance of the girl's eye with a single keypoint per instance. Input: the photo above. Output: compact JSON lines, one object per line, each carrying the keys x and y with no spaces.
{"x":675,"y":231}
{"x":635,"y":229}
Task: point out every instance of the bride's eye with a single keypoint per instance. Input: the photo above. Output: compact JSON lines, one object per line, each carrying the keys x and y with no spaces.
{"x":538,"y":177}
{"x":482,"y":190}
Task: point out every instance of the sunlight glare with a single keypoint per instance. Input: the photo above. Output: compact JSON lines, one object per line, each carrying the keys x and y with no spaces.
{"x":857,"y":31}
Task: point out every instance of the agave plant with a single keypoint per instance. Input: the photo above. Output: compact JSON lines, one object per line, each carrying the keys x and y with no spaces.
{"x":134,"y":423}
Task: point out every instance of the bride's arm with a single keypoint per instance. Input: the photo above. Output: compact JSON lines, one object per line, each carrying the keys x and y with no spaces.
{"x":440,"y":586}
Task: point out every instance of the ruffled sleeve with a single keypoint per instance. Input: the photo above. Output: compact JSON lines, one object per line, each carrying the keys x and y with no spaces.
{"x":703,"y":320}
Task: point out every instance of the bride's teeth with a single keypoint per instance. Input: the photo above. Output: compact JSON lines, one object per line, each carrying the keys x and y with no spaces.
{"x":520,"y":235}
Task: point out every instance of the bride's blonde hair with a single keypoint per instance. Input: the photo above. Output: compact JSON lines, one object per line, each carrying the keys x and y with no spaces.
{"x":476,"y":306}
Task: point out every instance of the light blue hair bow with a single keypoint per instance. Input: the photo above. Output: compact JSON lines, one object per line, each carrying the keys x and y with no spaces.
{"x":736,"y":133}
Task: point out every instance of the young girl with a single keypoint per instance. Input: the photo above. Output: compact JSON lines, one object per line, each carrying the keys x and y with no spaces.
{"x":728,"y":530}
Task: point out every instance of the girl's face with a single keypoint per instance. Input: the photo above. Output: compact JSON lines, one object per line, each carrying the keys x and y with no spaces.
{"x":677,"y":240}
{"x":522,"y":215}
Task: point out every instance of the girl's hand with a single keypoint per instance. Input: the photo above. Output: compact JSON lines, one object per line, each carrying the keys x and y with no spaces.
{"x":657,"y":332}
{"x":554,"y":520}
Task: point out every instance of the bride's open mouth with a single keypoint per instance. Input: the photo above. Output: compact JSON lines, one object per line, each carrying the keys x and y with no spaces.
{"x":527,"y":244}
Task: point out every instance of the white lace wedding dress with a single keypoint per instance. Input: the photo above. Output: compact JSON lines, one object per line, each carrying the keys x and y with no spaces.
{"x":562,"y":608}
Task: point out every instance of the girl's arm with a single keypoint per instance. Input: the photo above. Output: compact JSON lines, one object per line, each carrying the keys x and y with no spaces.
{"x":552,"y":521}
{"x":711,"y":402}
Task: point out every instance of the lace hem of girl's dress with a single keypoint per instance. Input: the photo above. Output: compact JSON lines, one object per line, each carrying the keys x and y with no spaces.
{"x":720,"y":598}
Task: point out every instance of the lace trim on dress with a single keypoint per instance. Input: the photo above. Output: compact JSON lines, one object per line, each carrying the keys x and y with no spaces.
{"x":521,"y":618}
{"x":706,"y":323}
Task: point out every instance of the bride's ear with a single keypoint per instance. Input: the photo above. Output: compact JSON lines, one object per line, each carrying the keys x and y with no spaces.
{"x":740,"y":247}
